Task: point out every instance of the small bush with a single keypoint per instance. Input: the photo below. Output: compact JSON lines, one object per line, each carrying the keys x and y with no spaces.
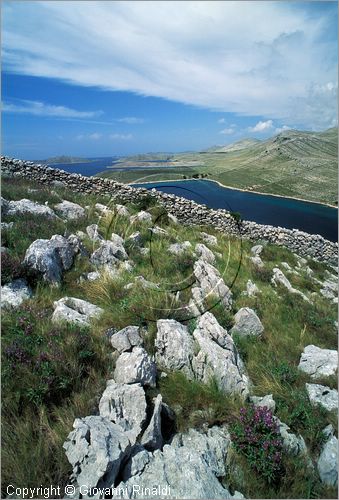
{"x":256,"y":436}
{"x":236,"y":216}
{"x":262,"y":274}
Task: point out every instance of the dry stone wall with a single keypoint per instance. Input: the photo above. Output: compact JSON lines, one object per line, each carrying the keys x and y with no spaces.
{"x":187,"y":211}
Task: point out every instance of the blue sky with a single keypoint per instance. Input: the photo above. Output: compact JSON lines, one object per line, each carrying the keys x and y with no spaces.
{"x":116,"y":78}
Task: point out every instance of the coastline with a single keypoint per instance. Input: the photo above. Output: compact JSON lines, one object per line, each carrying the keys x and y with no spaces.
{"x":239,"y":189}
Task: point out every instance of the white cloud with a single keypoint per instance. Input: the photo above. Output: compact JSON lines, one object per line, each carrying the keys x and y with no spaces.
{"x":261,"y":126}
{"x":131,"y":120}
{"x":282,"y":129}
{"x":95,"y":136}
{"x":121,"y":137}
{"x":38,"y":108}
{"x":228,"y":131}
{"x":242,"y":64}
{"x":222,"y":120}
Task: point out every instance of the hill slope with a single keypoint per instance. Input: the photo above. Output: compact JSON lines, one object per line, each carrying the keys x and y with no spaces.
{"x":293,"y":163}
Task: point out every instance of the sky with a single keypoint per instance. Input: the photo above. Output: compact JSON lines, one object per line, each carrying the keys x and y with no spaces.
{"x":113,"y":78}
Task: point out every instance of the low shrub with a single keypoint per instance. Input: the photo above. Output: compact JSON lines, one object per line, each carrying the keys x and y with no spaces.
{"x":256,"y":436}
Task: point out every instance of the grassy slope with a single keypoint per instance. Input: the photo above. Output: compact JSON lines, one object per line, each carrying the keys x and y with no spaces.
{"x":42,"y":394}
{"x":297,"y":164}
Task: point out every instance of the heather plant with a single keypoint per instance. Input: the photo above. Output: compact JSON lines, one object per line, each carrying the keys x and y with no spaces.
{"x":256,"y":436}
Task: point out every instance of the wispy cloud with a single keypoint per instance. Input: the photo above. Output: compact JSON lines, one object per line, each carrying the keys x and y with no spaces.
{"x":121,"y":137}
{"x":222,"y":120}
{"x":228,"y":131}
{"x":262,"y":126}
{"x":282,"y":129}
{"x":131,"y":120}
{"x":95,"y":136}
{"x":38,"y":108}
{"x":284,"y":69}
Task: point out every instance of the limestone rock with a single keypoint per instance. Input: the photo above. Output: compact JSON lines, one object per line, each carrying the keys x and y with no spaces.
{"x":136,"y":366}
{"x":257,"y":262}
{"x":69,"y":210}
{"x":117,"y":239}
{"x":29,"y":207}
{"x":256,"y":250}
{"x":13,"y":294}
{"x":96,"y":449}
{"x":152,"y":437}
{"x":213,"y":361}
{"x":141,"y":216}
{"x":125,"y":339}
{"x":179,"y":248}
{"x":108,"y":253}
{"x":50,"y":257}
{"x":247,"y":323}
{"x":174,"y":346}
{"x":204,"y":253}
{"x":121,"y":210}
{"x":158,"y":230}
{"x":267,"y":401}
{"x":323,"y":396}
{"x":75,"y":310}
{"x":280,"y":278}
{"x":251,"y":289}
{"x":125,"y":405}
{"x":209,"y":239}
{"x":328,"y":462}
{"x":93,"y":232}
{"x":292,"y":444}
{"x":210,"y":281}
{"x":318,"y":362}
{"x":135,"y":239}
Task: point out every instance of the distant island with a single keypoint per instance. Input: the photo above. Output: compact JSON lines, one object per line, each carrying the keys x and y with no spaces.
{"x":64,"y":159}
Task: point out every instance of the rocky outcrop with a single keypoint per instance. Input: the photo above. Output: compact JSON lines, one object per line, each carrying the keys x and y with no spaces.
{"x":323,"y":396}
{"x":204,"y":253}
{"x":93,"y":232}
{"x":280,"y":278}
{"x":50,"y":257}
{"x":264,"y":401}
{"x":69,"y":210}
{"x":152,"y":438}
{"x":246,"y":323}
{"x":73,"y":310}
{"x":109,"y":253}
{"x":125,"y":405}
{"x":141,"y":216}
{"x":135,"y":367}
{"x":25,"y":206}
{"x":126,"y":339}
{"x":13,"y":294}
{"x":251,"y":289}
{"x":327,"y":464}
{"x":318,"y":362}
{"x":211,"y":283}
{"x":179,"y":248}
{"x":96,"y":449}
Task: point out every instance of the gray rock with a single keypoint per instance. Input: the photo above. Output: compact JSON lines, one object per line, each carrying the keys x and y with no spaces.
{"x":280,"y":278}
{"x":174,"y":346}
{"x":140,"y":280}
{"x":211,"y":282}
{"x":93,"y":232}
{"x":75,"y":310}
{"x":318,"y":362}
{"x":256,"y":250}
{"x":29,"y":207}
{"x":50,"y":257}
{"x":136,"y":366}
{"x":121,"y":210}
{"x":323,"y":396}
{"x":209,"y":239}
{"x":286,"y":266}
{"x":246,"y":323}
{"x":141,"y":216}
{"x":172,"y":218}
{"x":257,"y":262}
{"x":108,"y":253}
{"x":134,"y":239}
{"x":103,"y":209}
{"x":158,"y":230}
{"x":69,"y":210}
{"x":204,"y":253}
{"x":4,"y":206}
{"x":92,"y":276}
{"x":126,"y":338}
{"x":220,"y":363}
{"x":183,"y":471}
{"x":7,"y":225}
{"x":292,"y":444}
{"x":126,"y":406}
{"x":251,"y":289}
{"x":152,"y":437}
{"x":267,"y":401}
{"x":328,"y":462}
{"x":117,"y":239}
{"x":14,"y":294}
{"x":179,"y":248}
{"x":96,"y":449}
{"x":137,"y":462}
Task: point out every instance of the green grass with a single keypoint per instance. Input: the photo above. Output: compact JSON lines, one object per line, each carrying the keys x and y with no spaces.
{"x":52,"y":375}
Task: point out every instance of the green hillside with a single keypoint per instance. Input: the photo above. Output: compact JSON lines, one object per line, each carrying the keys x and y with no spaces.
{"x":293,"y":163}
